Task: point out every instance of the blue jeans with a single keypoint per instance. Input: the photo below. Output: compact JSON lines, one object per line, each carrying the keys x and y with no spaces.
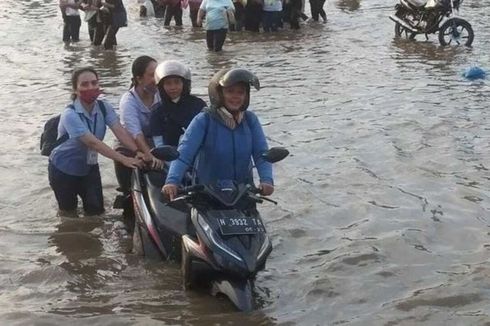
{"x":67,"y":187}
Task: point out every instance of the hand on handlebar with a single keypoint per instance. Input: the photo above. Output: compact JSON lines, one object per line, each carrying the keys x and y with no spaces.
{"x":152,"y":161}
{"x":266,"y":189}
{"x":170,"y":191}
{"x":132,"y":162}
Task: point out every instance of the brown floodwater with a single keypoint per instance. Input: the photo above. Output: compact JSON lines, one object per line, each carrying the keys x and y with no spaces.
{"x":384,"y":203}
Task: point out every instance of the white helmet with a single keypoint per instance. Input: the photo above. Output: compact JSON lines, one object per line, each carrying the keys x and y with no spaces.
{"x":172,"y":68}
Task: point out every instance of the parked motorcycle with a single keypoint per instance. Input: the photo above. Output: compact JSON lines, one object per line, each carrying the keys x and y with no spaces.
{"x":215,"y":231}
{"x":414,"y":17}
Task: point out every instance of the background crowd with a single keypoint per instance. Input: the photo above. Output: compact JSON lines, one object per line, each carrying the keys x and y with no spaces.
{"x":105,"y":17}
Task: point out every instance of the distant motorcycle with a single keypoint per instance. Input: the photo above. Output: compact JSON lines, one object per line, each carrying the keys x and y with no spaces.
{"x":413,"y":17}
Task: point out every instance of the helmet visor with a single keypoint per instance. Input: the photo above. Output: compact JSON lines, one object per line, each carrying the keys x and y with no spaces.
{"x":235,"y":76}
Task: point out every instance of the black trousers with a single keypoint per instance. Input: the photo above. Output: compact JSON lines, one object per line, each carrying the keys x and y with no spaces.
{"x":159,"y":9}
{"x":253,"y":16}
{"x":123,"y":176}
{"x":193,"y":15}
{"x":317,"y":9}
{"x":215,"y":39}
{"x":173,"y":12}
{"x":71,"y":28}
{"x":96,"y":31}
{"x":292,"y":13}
{"x":110,"y":37}
{"x":67,"y":188}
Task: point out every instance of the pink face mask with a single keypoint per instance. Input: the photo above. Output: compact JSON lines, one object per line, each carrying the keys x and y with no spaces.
{"x":89,"y":95}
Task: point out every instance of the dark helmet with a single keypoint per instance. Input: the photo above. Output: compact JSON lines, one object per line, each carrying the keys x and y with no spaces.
{"x":230,"y":77}
{"x":173,"y":68}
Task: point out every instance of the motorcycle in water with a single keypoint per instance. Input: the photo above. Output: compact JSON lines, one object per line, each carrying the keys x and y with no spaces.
{"x":413,"y":17}
{"x":214,"y":230}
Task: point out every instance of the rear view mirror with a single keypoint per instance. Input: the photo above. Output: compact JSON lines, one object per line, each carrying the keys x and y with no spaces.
{"x":165,"y":153}
{"x":275,"y":154}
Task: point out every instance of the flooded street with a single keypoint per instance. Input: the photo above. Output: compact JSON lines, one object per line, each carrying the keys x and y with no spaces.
{"x":384,"y":203}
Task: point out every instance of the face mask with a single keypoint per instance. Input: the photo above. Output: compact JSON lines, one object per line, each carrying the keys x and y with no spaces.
{"x":150,"y":89}
{"x":89,"y":95}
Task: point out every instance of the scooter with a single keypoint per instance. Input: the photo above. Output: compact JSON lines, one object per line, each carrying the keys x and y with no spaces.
{"x":215,"y":231}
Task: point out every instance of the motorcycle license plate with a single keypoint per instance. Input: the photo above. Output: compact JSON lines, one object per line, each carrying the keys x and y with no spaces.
{"x":240,"y":225}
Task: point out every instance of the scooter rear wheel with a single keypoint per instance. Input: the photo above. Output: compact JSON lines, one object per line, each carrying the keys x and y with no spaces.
{"x":137,"y":243}
{"x":456,"y":31}
{"x":186,"y":269}
{"x":143,"y":245}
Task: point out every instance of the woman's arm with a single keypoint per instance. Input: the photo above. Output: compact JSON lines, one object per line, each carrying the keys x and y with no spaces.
{"x":259,"y":146}
{"x":123,"y":136}
{"x":200,"y":16}
{"x":131,"y":121}
{"x":99,"y":146}
{"x":142,"y":145}
{"x":189,"y":146}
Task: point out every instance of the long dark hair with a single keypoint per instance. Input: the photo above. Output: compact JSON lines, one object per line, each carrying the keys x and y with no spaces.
{"x":74,"y":78}
{"x":139,"y":67}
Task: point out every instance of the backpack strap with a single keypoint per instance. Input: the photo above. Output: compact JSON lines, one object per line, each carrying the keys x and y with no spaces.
{"x":102,"y":108}
{"x":71,"y":106}
{"x":65,"y":136}
{"x":208,"y":122}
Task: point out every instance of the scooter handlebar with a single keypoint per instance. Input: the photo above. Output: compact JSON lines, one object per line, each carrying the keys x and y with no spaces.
{"x":189,"y":189}
{"x":253,"y":189}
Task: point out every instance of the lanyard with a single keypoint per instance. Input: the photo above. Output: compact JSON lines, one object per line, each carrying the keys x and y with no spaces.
{"x":88,"y":123}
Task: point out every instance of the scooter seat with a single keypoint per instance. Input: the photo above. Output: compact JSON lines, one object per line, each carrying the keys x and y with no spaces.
{"x":171,"y":217}
{"x":417,"y":3}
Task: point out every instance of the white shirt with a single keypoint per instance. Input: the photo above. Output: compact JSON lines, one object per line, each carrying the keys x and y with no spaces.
{"x":68,"y":10}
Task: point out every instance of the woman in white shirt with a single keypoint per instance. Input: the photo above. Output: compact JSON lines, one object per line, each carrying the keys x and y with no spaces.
{"x":217,"y":13}
{"x":71,"y":18}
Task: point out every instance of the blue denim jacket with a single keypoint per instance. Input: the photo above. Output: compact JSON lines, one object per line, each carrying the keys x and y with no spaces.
{"x":222,"y":153}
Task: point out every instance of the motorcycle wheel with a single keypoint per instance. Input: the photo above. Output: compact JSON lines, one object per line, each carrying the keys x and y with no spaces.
{"x":143,"y":245}
{"x":238,"y":291}
{"x":186,"y":269}
{"x":401,"y":31}
{"x":128,"y":216}
{"x":456,"y":31}
{"x":137,"y":243}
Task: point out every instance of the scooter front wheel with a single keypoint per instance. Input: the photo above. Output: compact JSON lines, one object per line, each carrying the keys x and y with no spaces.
{"x":456,"y":31}
{"x":238,"y":291}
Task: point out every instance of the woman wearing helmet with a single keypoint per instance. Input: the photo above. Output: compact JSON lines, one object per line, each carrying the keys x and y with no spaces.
{"x":177,"y":107}
{"x":225,"y":138}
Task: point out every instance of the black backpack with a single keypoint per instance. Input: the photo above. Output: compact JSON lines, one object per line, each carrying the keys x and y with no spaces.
{"x":49,"y":137}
